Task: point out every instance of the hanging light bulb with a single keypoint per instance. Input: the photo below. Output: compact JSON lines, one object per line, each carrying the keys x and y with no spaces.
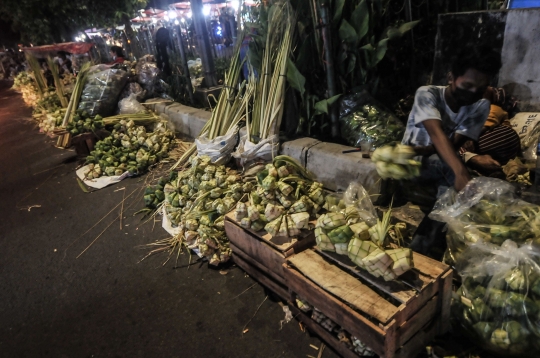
{"x":154,"y":20}
{"x":206,"y":10}
{"x":166,"y":18}
{"x":235,"y":4}
{"x":172,"y":14}
{"x":189,"y":14}
{"x":176,"y":22}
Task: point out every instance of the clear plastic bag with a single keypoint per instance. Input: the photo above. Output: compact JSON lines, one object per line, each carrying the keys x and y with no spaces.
{"x":356,"y":195}
{"x":486,"y":209}
{"x":148,"y":75}
{"x":130,"y":105}
{"x":101,"y":91}
{"x":249,"y":152}
{"x":218,"y":149}
{"x":136,"y":89}
{"x":364,"y":121}
{"x":499,"y":301}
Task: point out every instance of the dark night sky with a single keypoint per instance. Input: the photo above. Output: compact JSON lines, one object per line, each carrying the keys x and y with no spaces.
{"x":8,"y":38}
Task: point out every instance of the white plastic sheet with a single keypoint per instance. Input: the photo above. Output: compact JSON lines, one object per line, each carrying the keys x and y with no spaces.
{"x":100,"y":182}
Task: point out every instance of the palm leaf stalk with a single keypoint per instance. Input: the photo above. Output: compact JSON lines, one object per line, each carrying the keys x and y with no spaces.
{"x":57,"y":82}
{"x":232,"y":104}
{"x":73,"y":103}
{"x":41,"y":83}
{"x":268,"y":103}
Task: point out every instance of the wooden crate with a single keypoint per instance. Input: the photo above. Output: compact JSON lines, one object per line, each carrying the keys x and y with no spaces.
{"x":258,"y":272}
{"x":266,"y":251}
{"x":395,"y":319}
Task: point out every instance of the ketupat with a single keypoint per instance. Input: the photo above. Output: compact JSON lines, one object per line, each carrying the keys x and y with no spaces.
{"x":331,"y":220}
{"x":361,"y":230}
{"x":323,"y":241}
{"x":358,"y":250}
{"x":402,"y":260}
{"x":341,"y":234}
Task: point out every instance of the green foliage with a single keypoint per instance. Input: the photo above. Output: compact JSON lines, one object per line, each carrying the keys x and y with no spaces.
{"x":360,"y":41}
{"x":43,"y":22}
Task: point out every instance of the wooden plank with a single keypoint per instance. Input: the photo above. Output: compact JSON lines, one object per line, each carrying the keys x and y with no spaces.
{"x":281,"y":244}
{"x":260,"y":277}
{"x":255,"y":248}
{"x":407,"y":310}
{"x":336,"y":310}
{"x":419,"y":341}
{"x":326,"y":336}
{"x":409,"y":328}
{"x":428,"y":266}
{"x":257,"y":264}
{"x":395,"y":289}
{"x":445,"y":293}
{"x":341,"y":284}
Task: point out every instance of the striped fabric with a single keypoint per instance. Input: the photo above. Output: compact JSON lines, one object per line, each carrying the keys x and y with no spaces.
{"x":501,"y":143}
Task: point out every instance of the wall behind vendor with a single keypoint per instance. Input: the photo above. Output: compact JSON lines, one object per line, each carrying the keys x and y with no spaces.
{"x":515,"y":33}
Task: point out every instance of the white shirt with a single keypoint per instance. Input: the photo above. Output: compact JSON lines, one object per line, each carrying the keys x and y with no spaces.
{"x":429,"y":103}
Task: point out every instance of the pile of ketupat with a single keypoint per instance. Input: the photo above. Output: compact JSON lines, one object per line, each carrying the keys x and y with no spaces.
{"x":129,"y":148}
{"x":25,"y":84}
{"x":195,"y":200}
{"x":396,"y":162}
{"x":282,"y":201}
{"x":342,"y":231}
{"x":84,"y":123}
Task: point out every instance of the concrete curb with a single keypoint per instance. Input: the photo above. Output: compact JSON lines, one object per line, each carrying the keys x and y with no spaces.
{"x":325,"y":160}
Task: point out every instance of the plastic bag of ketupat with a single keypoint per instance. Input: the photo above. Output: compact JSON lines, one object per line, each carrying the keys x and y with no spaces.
{"x":364,"y":120}
{"x":487,"y":209}
{"x":527,"y":126}
{"x":130,"y":105}
{"x":102,"y":90}
{"x":356,"y":195}
{"x":249,"y":152}
{"x":218,"y":149}
{"x":499,"y":301}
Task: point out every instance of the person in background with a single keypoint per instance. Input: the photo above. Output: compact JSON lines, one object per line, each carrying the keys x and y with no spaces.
{"x":117,"y":55}
{"x":442,"y":119}
{"x":498,"y":143}
{"x":163,"y":41}
{"x":64,"y":63}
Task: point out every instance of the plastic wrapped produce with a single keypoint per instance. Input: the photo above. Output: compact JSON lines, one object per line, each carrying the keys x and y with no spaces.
{"x":486,"y":209}
{"x":499,"y":301}
{"x":148,"y":75}
{"x":362,"y":119}
{"x":101,"y":91}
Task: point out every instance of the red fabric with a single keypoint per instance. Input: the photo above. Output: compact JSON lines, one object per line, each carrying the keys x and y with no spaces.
{"x":117,"y":60}
{"x":71,"y":47}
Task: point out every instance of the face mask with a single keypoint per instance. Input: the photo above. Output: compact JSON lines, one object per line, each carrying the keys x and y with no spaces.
{"x":466,"y":98}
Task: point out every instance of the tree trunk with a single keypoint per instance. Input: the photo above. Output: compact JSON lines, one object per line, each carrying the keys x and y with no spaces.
{"x":203,"y":43}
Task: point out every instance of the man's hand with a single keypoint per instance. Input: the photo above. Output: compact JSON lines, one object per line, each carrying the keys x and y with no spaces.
{"x":462,"y":178}
{"x":484,"y":163}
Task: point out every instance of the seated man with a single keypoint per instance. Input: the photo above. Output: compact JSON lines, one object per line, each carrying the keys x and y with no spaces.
{"x":441,"y":121}
{"x":498,"y":143}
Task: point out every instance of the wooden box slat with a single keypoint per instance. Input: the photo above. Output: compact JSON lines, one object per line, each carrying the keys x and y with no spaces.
{"x":386,"y":329}
{"x":326,"y":336}
{"x":343,"y":285}
{"x":286,"y":245}
{"x":424,"y":278}
{"x":261,"y":251}
{"x":258,"y":272}
{"x":336,"y":310}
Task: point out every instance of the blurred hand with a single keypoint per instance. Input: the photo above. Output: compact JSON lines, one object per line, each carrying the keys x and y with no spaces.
{"x":462,"y":179}
{"x":484,"y":163}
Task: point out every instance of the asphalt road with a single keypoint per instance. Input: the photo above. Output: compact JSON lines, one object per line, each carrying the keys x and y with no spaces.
{"x":57,"y":302}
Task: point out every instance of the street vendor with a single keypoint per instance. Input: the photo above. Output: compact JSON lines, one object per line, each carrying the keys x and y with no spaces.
{"x":442,"y":119}
{"x":117,"y":55}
